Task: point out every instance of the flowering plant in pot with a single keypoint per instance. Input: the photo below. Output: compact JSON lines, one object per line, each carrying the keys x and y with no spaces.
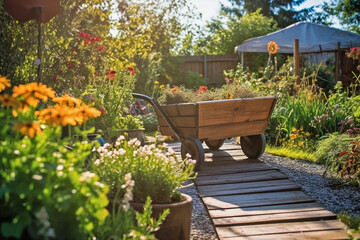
{"x":156,"y":173}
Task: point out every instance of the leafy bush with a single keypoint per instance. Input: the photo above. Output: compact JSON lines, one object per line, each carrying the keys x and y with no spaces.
{"x":130,"y":122}
{"x":45,"y":190}
{"x":150,"y":122}
{"x":193,"y":80}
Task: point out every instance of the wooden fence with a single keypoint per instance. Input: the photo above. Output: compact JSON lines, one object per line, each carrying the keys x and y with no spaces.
{"x":210,"y":66}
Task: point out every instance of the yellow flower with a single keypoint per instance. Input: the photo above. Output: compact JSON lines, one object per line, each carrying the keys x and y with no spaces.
{"x":126,"y":134}
{"x":229,"y":95}
{"x":201,"y":75}
{"x":272,"y":47}
{"x":29,"y":129}
{"x":293,"y":136}
{"x":162,"y":86}
{"x":293,"y":129}
{"x":307,"y":134}
{"x":301,"y":143}
{"x":310,"y":96}
{"x":4,"y":82}
{"x":317,"y":135}
{"x":301,"y":129}
{"x":68,"y":100}
{"x":156,"y":82}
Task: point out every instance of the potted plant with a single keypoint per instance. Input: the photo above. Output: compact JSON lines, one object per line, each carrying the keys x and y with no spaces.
{"x":133,"y":127}
{"x":157,"y":173}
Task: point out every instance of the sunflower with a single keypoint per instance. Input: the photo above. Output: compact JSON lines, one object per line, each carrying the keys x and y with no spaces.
{"x":4,"y":82}
{"x":29,"y":129}
{"x":272,"y":47}
{"x":68,"y":101}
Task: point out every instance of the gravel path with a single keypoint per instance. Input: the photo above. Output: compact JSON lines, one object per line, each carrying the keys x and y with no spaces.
{"x":329,"y":192}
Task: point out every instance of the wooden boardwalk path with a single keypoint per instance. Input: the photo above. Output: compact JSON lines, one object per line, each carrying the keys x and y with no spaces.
{"x":249,"y":199}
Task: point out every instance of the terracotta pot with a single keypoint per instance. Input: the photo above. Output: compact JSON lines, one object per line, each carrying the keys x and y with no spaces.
{"x":177,"y":225}
{"x":136,"y":133}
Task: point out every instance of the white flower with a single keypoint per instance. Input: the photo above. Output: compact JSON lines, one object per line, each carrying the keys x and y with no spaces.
{"x":86,"y":176}
{"x":102,"y":95}
{"x":188,"y":155}
{"x":97,"y":162}
{"x":17,"y":152}
{"x":60,"y":167}
{"x":51,"y":233}
{"x":99,"y":184}
{"x":127,"y":177}
{"x":190,"y":161}
{"x":37,"y":177}
{"x":43,"y":217}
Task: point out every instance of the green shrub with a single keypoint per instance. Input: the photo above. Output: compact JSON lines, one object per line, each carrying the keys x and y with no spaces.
{"x":150,"y":122}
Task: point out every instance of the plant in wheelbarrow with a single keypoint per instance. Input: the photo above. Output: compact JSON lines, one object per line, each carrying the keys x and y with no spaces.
{"x":157,"y":173}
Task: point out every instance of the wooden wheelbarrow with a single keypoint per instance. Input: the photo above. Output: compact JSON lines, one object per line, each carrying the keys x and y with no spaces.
{"x":213,"y":122}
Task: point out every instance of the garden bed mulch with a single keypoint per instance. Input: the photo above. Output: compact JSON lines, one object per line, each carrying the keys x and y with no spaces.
{"x":327,"y":192}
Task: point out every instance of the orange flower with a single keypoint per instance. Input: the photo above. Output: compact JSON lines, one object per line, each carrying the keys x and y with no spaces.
{"x":85,"y":112}
{"x":272,"y":47}
{"x":174,"y":89}
{"x":301,"y":143}
{"x":229,"y":95}
{"x":4,"y":82}
{"x":58,"y":115}
{"x":33,"y":92}
{"x":8,"y":101}
{"x":29,"y":129}
{"x":307,"y":134}
{"x":68,"y":101}
{"x":292,"y":136}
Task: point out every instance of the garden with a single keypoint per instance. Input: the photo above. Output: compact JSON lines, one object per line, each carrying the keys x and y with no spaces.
{"x":81,"y":158}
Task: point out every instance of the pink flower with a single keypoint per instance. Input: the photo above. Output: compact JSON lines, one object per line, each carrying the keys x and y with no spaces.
{"x":98,"y":39}
{"x":87,"y":42}
{"x":93,"y":39}
{"x":101,"y":48}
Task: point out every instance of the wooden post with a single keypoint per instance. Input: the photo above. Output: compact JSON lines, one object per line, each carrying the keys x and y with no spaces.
{"x":296,"y":60}
{"x":205,"y":66}
{"x":340,"y":63}
{"x":337,"y":64}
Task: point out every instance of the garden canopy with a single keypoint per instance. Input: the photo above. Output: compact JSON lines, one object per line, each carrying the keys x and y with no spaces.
{"x":312,"y":37}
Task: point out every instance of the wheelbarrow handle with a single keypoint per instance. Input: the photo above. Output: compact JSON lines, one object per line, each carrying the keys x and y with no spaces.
{"x":157,"y":106}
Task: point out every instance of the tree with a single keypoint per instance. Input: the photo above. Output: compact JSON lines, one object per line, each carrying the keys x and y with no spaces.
{"x":281,"y":10}
{"x":348,"y":12}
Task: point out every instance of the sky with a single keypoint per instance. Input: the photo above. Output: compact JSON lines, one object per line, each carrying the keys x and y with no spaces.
{"x":210,"y":8}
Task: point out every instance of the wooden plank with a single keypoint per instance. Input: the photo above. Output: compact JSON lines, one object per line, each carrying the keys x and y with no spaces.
{"x":182,"y":121}
{"x":232,"y":130}
{"x":239,"y":177}
{"x":234,"y":111}
{"x":231,"y":168}
{"x":188,"y":132}
{"x":278,"y":228}
{"x":262,"y":210}
{"x":256,"y":199}
{"x":210,"y":189}
{"x":241,"y":188}
{"x":275,"y":218}
{"x":317,"y":235}
{"x":181,"y":109}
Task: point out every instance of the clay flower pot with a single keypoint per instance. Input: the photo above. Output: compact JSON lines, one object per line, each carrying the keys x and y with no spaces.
{"x":177,"y":225}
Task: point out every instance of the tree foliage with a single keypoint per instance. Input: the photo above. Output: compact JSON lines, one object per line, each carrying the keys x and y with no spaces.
{"x":281,"y":10}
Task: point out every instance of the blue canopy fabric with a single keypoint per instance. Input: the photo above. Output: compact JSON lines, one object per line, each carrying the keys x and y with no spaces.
{"x":312,"y":37}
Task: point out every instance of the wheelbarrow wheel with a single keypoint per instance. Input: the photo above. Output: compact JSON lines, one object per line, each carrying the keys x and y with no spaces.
{"x":214,"y":144}
{"x":253,"y":146}
{"x":194,"y":147}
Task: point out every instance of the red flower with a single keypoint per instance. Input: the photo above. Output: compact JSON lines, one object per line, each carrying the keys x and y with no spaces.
{"x":131,"y":69}
{"x":93,"y":39}
{"x":87,"y":42}
{"x":55,"y":78}
{"x":203,"y":88}
{"x":98,"y":39}
{"x":84,"y":35}
{"x":110,"y":74}
{"x":174,"y":89}
{"x":69,"y":64}
{"x":101,"y":48}
{"x":102,"y":110}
